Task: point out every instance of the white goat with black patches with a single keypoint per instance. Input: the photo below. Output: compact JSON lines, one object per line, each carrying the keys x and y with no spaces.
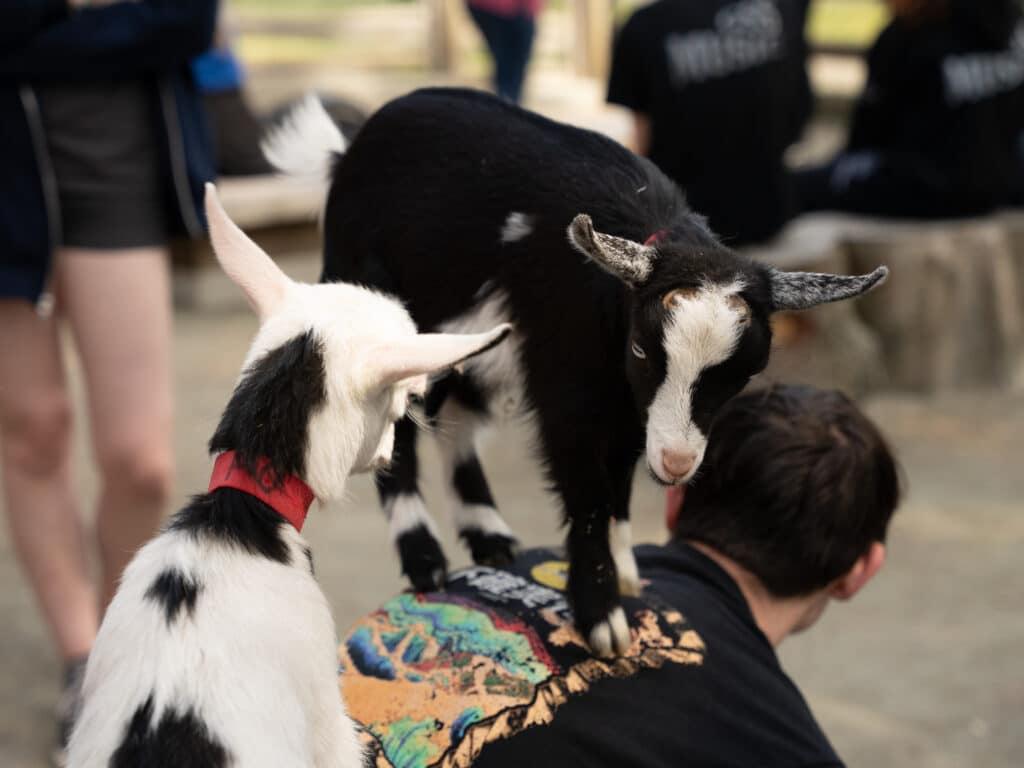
{"x":219,"y":647}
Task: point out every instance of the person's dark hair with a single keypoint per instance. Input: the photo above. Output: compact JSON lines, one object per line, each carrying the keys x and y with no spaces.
{"x":795,"y":485}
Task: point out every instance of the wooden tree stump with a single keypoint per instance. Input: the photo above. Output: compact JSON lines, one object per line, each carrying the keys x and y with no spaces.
{"x":830,"y":345}
{"x":951,"y":316}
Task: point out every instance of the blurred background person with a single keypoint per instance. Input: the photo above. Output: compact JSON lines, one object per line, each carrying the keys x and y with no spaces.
{"x":935,"y":132}
{"x":508,"y":27}
{"x":236,"y":130}
{"x":718,"y":91}
{"x":104,"y":152}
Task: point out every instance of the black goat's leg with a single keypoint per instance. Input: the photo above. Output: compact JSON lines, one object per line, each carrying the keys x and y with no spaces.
{"x":593,"y":587}
{"x":413,"y":531}
{"x":476,"y":516}
{"x":577,"y":467}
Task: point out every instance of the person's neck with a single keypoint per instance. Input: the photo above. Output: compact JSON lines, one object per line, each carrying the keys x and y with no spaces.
{"x":776,"y":617}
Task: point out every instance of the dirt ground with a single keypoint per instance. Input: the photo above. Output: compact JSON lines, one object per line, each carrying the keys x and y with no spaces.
{"x":923,"y":668}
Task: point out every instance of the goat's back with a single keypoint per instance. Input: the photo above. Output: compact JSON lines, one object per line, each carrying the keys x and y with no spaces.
{"x":420,"y":204}
{"x":226,"y":677}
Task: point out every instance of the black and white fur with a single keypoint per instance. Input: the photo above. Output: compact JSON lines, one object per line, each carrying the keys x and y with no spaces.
{"x":474,"y":211}
{"x":219,"y":648}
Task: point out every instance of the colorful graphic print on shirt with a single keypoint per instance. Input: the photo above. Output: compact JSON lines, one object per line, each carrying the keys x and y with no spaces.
{"x":433,"y":678}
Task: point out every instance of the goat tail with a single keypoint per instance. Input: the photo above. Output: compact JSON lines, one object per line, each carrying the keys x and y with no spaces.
{"x":306,"y":142}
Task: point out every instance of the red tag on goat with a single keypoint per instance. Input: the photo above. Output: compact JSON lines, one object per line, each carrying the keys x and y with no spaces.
{"x":288,"y":496}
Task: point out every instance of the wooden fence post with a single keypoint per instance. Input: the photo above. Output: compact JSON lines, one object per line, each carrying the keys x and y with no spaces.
{"x":592,"y":36}
{"x":440,"y":36}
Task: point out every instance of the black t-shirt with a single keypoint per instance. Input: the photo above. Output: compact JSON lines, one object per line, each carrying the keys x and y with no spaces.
{"x":942,"y":98}
{"x":725,"y":87}
{"x":489,"y":673}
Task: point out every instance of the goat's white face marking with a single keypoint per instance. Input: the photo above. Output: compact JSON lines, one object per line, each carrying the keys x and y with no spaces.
{"x":517,"y":226}
{"x":703,"y":329}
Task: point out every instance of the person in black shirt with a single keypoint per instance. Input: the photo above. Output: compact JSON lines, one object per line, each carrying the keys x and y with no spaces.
{"x":790,"y":512}
{"x":935,"y":132}
{"x":719,"y":90}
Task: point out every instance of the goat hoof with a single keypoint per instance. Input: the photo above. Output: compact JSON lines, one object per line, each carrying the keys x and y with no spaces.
{"x":493,"y":549}
{"x":610,"y":638}
{"x":428,"y":579}
{"x":427,"y":574}
{"x":423,"y":560}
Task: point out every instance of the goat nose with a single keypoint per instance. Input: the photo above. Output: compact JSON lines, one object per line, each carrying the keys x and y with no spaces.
{"x":677,"y":464}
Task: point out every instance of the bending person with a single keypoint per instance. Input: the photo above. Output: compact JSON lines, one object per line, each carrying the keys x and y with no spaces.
{"x":508,"y":28}
{"x":790,"y":512}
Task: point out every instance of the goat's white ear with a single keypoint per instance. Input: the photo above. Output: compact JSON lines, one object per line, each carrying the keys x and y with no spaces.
{"x":802,"y":290}
{"x":393,"y":361}
{"x":248,"y":266}
{"x":628,"y":260}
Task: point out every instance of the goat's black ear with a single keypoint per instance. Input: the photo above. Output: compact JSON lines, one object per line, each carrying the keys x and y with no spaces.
{"x":628,"y":260}
{"x":802,"y":290}
{"x":269,"y":412}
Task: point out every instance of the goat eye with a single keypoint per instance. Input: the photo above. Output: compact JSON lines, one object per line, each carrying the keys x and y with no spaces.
{"x":639,"y":351}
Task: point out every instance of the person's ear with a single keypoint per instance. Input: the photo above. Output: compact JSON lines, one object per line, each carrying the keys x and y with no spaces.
{"x":674,"y":505}
{"x":861,"y":573}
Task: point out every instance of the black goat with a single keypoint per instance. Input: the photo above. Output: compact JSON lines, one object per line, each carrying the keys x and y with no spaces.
{"x":473,"y":211}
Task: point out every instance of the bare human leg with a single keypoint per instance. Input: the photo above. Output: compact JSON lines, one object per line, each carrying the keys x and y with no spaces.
{"x":35,"y":454}
{"x":119,"y":306}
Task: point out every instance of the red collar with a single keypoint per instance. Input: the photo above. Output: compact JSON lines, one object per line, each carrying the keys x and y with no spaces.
{"x":656,"y":237}
{"x":290,"y":498}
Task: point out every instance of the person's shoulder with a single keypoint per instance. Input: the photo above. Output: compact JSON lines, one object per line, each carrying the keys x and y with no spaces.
{"x":737,"y":657}
{"x":491,"y":669}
